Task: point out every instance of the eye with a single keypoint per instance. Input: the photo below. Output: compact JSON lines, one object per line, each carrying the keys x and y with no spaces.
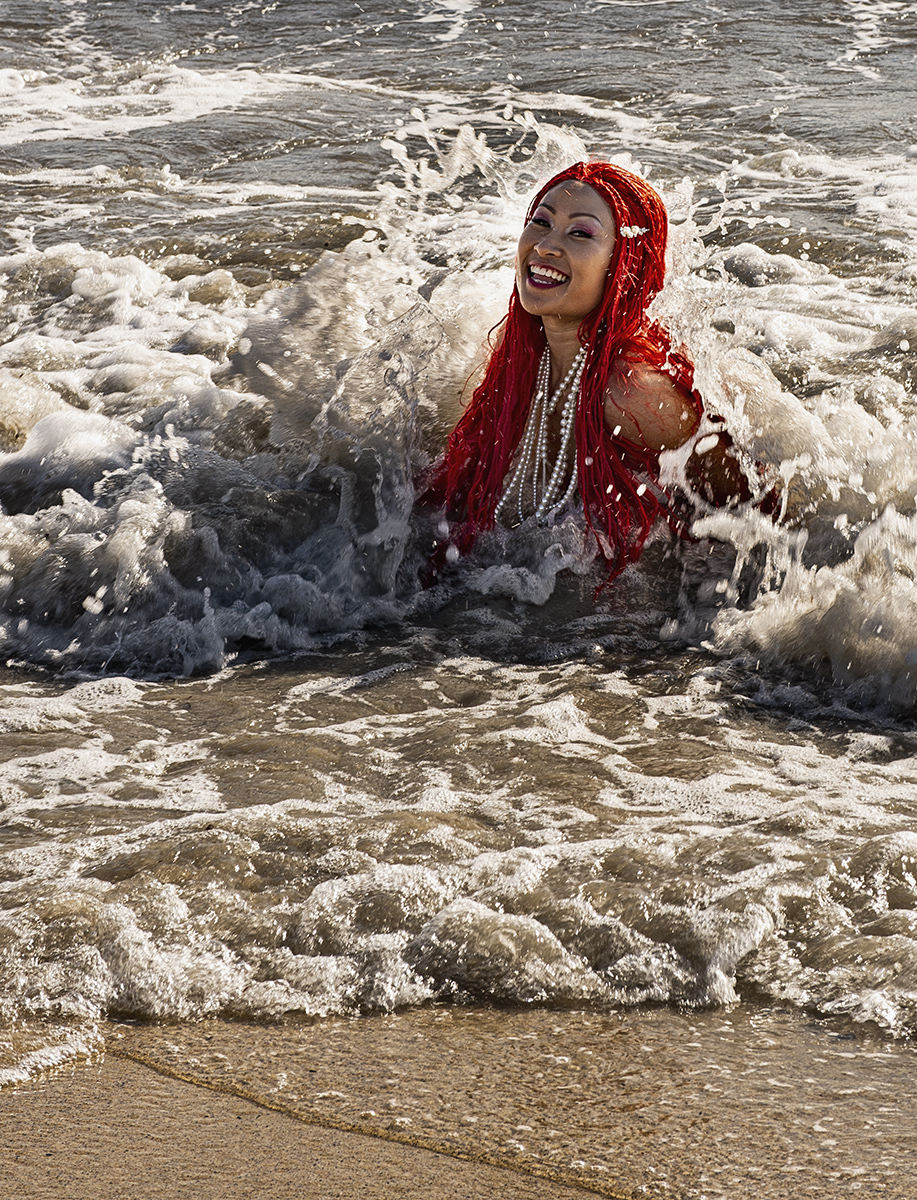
{"x":582,"y":233}
{"x":539,"y":221}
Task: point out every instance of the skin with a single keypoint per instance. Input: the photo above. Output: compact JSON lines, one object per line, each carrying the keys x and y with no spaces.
{"x":571,"y":235}
{"x":562,"y":262}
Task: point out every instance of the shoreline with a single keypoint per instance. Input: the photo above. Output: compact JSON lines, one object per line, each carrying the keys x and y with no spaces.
{"x":124,"y":1129}
{"x":471,"y":1102}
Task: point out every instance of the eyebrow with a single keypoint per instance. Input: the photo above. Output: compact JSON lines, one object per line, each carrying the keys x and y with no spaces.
{"x":552,"y":209}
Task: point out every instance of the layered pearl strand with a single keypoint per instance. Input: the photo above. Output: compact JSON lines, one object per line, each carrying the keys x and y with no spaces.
{"x":530,"y":487}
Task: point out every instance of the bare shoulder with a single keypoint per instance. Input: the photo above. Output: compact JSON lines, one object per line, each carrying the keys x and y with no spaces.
{"x":649,"y":407}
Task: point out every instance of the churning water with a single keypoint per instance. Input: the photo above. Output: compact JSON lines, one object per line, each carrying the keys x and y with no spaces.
{"x":249,"y":254}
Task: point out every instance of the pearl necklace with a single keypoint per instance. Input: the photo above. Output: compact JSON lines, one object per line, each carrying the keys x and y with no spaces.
{"x":530,"y":480}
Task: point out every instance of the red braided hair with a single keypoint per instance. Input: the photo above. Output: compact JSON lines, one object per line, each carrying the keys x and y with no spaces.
{"x":620,"y":509}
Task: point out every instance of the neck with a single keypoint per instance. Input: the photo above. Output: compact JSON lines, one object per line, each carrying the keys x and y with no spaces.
{"x":564,"y":344}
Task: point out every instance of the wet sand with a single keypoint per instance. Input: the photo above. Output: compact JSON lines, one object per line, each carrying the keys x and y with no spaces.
{"x":122,"y":1130}
{"x":473,"y":1103}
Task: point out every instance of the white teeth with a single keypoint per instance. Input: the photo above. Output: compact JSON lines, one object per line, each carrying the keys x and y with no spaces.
{"x":549,"y":273}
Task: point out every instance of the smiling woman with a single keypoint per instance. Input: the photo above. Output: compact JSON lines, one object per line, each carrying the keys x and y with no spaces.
{"x":563,"y":256}
{"x":583,"y":392}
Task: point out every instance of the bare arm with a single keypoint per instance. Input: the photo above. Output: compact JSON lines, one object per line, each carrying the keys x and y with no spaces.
{"x":713,"y":471}
{"x":654,"y":411}
{"x":649,"y":408}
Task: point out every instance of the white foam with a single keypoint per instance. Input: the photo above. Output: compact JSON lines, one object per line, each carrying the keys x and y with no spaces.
{"x":90,"y":107}
{"x":58,"y":1052}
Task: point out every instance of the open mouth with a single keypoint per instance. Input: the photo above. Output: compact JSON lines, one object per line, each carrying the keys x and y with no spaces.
{"x":545,"y":277}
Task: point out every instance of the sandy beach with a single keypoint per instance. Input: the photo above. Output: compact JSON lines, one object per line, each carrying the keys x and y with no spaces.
{"x":470,"y":1103}
{"x":119,"y":1129}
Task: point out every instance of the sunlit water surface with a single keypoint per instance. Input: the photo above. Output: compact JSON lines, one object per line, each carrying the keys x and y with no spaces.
{"x":250,"y":767}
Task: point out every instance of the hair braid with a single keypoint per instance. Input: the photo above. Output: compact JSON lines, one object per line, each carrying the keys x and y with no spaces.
{"x":620,"y":510}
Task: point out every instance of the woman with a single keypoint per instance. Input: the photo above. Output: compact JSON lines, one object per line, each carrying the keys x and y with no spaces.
{"x":582,"y":392}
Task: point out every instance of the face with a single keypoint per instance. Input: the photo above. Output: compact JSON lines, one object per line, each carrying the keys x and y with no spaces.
{"x":564,"y":253}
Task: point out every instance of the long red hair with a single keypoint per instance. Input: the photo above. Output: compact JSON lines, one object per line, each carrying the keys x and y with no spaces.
{"x":619,"y":504}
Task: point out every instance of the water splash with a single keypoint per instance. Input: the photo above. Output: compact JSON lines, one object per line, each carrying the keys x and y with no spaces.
{"x":191,"y":469}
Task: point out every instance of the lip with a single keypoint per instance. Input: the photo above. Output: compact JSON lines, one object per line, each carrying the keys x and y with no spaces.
{"x":545,"y":276}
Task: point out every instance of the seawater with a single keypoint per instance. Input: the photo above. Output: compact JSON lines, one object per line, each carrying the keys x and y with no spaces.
{"x":249,"y":255}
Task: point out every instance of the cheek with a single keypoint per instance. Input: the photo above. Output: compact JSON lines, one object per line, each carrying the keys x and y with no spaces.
{"x":520,"y":255}
{"x":598,"y":273}
{"x":524,"y":248}
{"x":602,"y":267}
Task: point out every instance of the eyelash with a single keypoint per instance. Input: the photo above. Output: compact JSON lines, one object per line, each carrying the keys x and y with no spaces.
{"x":581,"y":232}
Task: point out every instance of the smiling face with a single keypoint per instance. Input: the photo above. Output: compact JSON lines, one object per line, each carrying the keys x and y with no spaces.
{"x":564,"y":253}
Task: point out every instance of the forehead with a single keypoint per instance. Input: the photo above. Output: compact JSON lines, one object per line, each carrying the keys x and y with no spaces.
{"x":574,"y":196}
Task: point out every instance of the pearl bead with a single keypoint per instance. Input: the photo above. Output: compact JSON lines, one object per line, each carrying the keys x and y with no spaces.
{"x":551,"y":487}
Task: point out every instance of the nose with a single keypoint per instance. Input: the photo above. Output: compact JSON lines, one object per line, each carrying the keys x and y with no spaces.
{"x":547,"y":244}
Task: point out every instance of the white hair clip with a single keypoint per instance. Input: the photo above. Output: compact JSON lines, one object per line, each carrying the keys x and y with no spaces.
{"x":630,"y":231}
